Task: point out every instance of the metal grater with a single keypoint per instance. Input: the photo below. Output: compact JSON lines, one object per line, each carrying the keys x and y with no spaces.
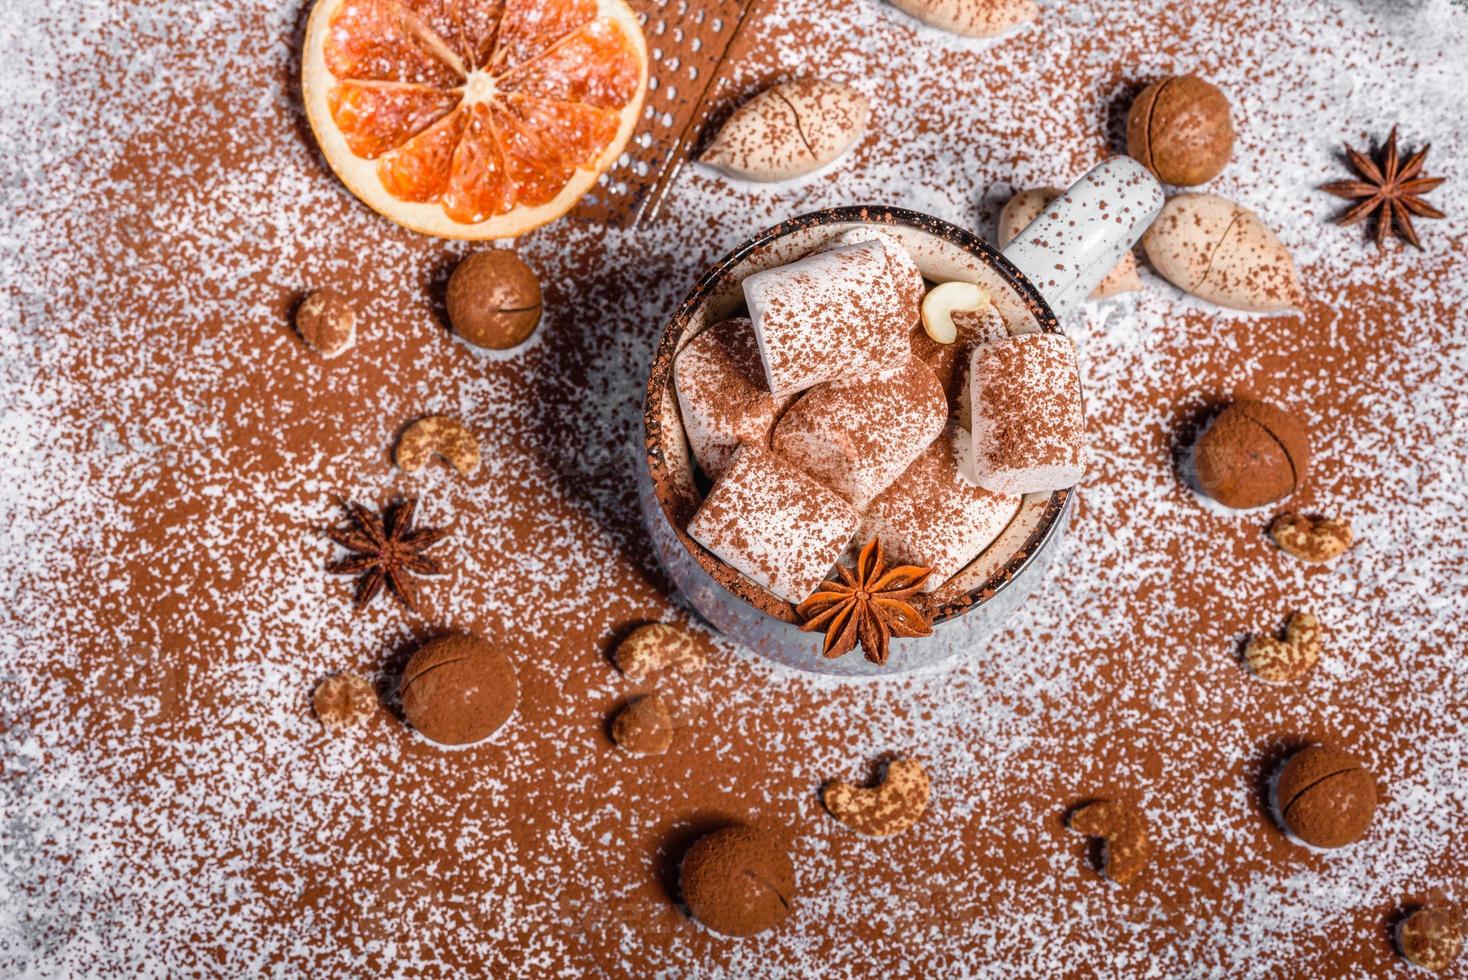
{"x":687,"y":43}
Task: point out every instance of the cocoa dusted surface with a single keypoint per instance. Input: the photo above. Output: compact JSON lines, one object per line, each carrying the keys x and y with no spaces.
{"x":172,"y":806}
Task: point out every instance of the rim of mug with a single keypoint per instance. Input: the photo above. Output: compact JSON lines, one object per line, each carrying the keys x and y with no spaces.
{"x":660,"y":376}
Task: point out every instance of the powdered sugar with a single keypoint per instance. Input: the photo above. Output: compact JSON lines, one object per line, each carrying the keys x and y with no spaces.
{"x":171,"y":806}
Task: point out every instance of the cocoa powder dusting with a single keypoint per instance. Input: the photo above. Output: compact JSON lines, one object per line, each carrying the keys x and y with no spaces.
{"x":722,"y":394}
{"x":857,"y":436}
{"x":172,"y":806}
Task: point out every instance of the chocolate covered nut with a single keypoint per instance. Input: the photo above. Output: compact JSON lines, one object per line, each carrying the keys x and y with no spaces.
{"x":1252,"y":454}
{"x":738,"y":881}
{"x":1180,"y":129}
{"x":644,"y":726}
{"x":494,"y":300}
{"x":1325,"y":797}
{"x":327,"y":320}
{"x":458,"y":689}
{"x":1221,"y":252}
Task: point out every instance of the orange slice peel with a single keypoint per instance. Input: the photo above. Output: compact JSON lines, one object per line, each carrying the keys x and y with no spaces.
{"x":472,"y":118}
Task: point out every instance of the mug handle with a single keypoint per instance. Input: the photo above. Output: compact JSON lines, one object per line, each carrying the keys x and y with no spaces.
{"x":1069,"y":248}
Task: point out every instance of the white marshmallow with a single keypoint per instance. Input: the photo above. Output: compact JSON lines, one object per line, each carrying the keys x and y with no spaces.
{"x":773,"y":524}
{"x":846,"y":311}
{"x":950,"y":361}
{"x":907,"y":270}
{"x":1028,"y":421}
{"x":722,"y":395}
{"x":933,"y":517}
{"x":856,"y":437}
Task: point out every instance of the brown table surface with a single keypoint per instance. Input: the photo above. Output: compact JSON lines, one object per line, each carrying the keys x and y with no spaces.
{"x":170,"y":804}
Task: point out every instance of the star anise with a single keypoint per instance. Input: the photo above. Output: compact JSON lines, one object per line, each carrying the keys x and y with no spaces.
{"x":1392,"y":191}
{"x":386,"y":550}
{"x":868,"y":605}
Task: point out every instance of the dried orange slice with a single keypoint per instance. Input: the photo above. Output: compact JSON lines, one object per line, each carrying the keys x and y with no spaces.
{"x":472,"y":118}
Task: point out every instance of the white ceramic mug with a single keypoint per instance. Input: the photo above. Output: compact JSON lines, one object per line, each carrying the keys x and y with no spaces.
{"x":1068,"y":249}
{"x":1049,"y":268}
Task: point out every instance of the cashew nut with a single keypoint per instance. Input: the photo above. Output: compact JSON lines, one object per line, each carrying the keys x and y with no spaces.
{"x":1124,"y":831}
{"x":943,"y":300}
{"x":656,"y":647}
{"x":880,"y":811}
{"x":1282,"y":661}
{"x":438,"y":435}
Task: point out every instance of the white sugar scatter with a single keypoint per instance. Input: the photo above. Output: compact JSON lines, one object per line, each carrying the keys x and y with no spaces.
{"x":170,"y":807}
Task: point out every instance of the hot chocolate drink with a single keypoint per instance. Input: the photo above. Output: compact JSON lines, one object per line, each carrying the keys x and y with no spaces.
{"x":828,"y":417}
{"x":877,"y":406}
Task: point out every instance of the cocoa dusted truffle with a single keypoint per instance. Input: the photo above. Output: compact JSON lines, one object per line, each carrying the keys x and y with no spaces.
{"x":1253,"y":454}
{"x":738,"y":881}
{"x":458,"y":689}
{"x":494,"y":300}
{"x":1180,"y":129}
{"x":1326,"y":797}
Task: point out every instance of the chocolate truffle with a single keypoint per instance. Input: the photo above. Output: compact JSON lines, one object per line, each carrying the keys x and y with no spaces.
{"x":494,"y":300}
{"x":458,"y":689}
{"x":1252,"y":454}
{"x":738,"y":881}
{"x":327,"y":320}
{"x":1180,"y":129}
{"x":1326,"y":797}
